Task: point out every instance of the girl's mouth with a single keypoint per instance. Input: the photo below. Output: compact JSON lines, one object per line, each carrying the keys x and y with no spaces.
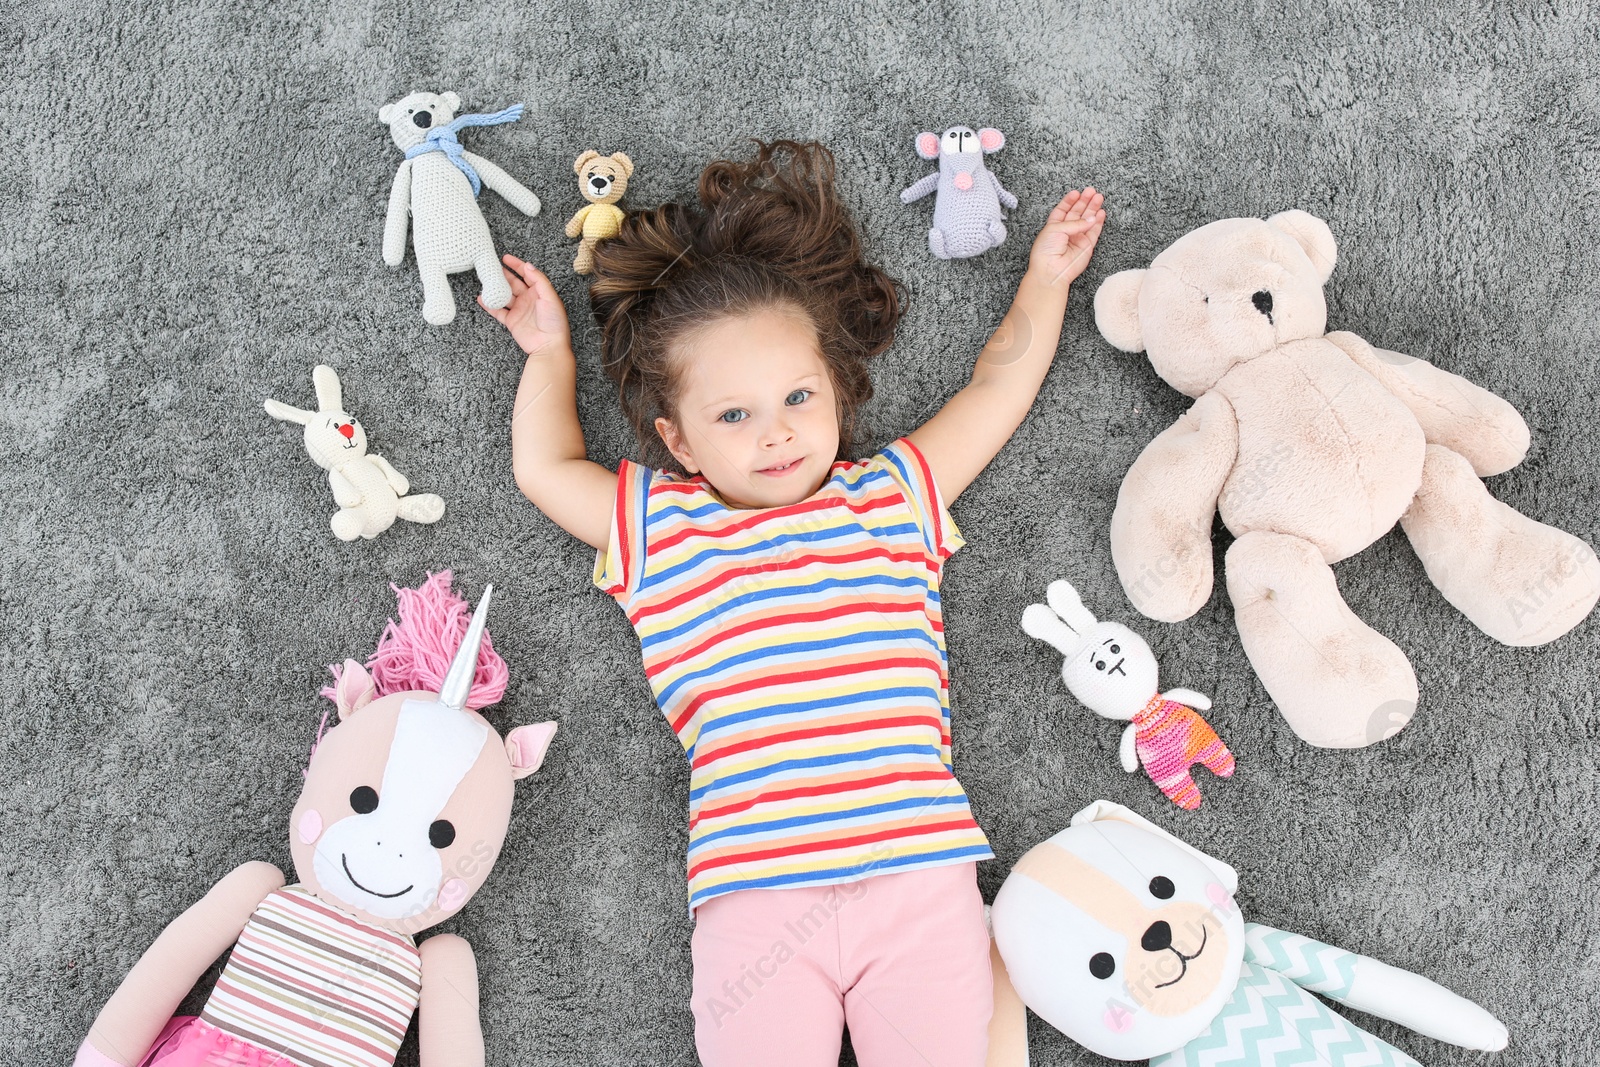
{"x":781,"y":468}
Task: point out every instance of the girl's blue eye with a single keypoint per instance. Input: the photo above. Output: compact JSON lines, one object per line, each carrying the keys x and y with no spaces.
{"x":802,"y":394}
{"x":733,"y":415}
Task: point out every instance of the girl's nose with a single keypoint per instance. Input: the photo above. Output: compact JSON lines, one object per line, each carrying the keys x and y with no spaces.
{"x":349,"y":431}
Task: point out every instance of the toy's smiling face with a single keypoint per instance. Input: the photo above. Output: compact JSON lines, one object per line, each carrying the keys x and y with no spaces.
{"x":1221,"y":295}
{"x":1122,"y":940}
{"x":603,"y":180}
{"x":1113,"y":672}
{"x":404,"y":810}
{"x":334,"y":437}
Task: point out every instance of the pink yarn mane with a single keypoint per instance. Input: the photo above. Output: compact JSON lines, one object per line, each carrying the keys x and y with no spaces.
{"x":415,"y":653}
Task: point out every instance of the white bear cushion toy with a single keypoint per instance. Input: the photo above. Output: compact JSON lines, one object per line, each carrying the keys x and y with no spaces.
{"x":436,"y":189}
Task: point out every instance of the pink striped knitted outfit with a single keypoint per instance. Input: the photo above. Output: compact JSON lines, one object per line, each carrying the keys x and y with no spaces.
{"x":1170,"y":738}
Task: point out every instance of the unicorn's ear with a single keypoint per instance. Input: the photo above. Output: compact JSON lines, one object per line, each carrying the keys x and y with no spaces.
{"x":1105,"y":809}
{"x":1116,"y":310}
{"x":354,"y":690}
{"x":329,"y":395}
{"x":526,"y":745}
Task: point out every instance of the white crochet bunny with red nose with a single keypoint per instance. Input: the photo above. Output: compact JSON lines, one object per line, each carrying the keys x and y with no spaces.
{"x":370,"y":493}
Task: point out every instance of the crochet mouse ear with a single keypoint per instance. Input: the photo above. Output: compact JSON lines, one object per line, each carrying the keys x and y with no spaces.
{"x":991,"y":139}
{"x":1105,"y":809}
{"x":928,"y":145}
{"x":1116,"y":310}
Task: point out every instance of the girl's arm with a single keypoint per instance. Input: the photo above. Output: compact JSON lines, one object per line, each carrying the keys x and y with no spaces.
{"x":547,"y":452}
{"x":976,"y":423}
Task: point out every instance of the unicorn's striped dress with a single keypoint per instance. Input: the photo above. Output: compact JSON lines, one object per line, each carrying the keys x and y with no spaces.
{"x":798,"y":653}
{"x":317,"y":987}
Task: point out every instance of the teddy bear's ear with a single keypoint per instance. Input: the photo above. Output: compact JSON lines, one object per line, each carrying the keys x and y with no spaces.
{"x":928,"y":145}
{"x":386,"y":114}
{"x":1312,"y":234}
{"x":578,"y":164}
{"x":621,"y":159}
{"x":452,"y":99}
{"x":1116,"y":310}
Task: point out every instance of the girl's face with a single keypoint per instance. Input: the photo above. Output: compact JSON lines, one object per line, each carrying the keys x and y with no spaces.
{"x":756,"y":412}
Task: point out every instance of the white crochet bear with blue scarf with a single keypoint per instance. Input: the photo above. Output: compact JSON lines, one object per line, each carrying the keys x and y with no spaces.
{"x":436,"y":189}
{"x":1128,"y":941}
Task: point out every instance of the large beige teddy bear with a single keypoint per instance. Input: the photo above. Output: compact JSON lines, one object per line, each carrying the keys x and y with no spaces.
{"x":1312,"y":445}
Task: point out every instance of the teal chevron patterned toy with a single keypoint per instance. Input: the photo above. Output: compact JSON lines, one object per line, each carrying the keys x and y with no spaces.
{"x":1129,"y":942}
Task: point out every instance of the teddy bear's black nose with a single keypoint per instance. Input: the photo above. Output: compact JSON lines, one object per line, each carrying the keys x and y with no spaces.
{"x":423,"y":119}
{"x":1158,"y":937}
{"x":1263,"y":302}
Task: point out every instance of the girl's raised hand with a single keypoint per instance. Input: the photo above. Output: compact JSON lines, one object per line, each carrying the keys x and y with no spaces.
{"x":536,"y":317}
{"x":1064,"y":245}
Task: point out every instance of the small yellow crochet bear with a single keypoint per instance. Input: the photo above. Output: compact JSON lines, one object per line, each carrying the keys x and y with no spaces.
{"x":602,"y":180}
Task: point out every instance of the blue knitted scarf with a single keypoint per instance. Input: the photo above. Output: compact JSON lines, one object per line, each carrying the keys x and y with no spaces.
{"x":443,"y":139}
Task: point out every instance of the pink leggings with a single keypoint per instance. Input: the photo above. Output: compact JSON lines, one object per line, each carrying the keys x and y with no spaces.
{"x":901,"y":959}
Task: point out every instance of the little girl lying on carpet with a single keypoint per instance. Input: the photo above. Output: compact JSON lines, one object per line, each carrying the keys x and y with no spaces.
{"x":786,"y":596}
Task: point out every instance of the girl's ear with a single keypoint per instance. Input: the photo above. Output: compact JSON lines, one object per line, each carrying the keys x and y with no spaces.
{"x":673,"y":439}
{"x":1116,"y":310}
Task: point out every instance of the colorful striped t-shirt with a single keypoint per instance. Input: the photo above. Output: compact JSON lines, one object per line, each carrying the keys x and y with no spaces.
{"x":798,"y":653}
{"x":316,"y":985}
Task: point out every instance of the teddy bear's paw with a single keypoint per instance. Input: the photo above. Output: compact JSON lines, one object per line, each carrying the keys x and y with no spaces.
{"x":423,"y":507}
{"x":1521,"y":582}
{"x":1338,"y":682}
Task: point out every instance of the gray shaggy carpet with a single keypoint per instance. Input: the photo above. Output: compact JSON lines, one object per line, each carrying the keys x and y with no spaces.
{"x":191,"y":206}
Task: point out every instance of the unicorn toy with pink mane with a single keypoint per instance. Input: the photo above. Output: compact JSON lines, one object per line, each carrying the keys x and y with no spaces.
{"x":404,"y":809}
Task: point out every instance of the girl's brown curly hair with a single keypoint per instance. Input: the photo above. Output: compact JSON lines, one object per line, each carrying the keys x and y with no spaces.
{"x":770,"y":231}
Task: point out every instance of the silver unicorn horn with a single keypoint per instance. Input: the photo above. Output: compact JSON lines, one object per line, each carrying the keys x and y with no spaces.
{"x":458,"y":680}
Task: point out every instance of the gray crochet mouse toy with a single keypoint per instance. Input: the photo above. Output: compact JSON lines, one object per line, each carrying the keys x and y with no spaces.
{"x":967,"y":219}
